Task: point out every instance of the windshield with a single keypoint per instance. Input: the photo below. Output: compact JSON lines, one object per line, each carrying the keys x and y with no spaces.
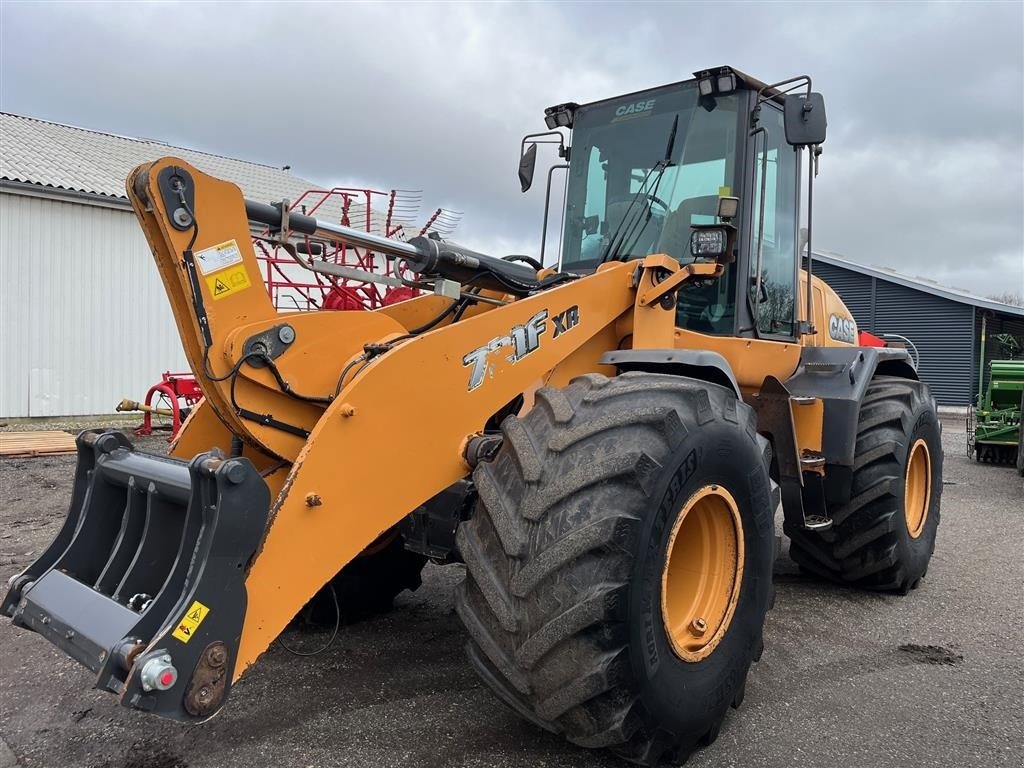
{"x":644,"y":169}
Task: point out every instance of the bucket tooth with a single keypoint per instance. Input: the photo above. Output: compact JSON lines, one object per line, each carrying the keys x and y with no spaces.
{"x":150,"y":562}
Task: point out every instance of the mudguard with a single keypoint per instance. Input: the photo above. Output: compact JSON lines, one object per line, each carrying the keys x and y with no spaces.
{"x":839,"y":376}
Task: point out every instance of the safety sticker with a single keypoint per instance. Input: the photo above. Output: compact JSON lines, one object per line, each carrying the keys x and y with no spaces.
{"x":228,"y":281}
{"x":218,"y":257}
{"x":190,"y":621}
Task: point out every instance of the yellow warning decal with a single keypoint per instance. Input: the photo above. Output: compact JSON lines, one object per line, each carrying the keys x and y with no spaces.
{"x":190,"y":621}
{"x":725,"y":191}
{"x":228,"y":281}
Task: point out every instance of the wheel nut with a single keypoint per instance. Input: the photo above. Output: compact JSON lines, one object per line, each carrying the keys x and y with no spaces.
{"x":313,"y":500}
{"x":699,"y":626}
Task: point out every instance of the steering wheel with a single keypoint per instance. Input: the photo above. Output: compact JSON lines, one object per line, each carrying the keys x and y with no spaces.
{"x":629,"y":198}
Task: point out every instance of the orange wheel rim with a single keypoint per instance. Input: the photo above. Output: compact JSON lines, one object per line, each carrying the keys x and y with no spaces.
{"x":917,"y":486}
{"x":700,"y":583}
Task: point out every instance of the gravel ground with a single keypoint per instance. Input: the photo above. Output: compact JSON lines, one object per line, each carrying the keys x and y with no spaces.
{"x":847,"y":678}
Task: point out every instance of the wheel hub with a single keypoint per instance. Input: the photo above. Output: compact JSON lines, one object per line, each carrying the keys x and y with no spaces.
{"x":700,"y":583}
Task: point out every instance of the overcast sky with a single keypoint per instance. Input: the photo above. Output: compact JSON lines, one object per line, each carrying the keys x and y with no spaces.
{"x":923,"y":168}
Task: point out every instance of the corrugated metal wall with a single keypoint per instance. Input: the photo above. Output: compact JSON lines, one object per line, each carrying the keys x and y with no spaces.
{"x":853,"y":288}
{"x":84,"y":317}
{"x":941,"y":329}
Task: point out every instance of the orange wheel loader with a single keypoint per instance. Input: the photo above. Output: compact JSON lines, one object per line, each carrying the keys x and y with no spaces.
{"x":603,"y":443}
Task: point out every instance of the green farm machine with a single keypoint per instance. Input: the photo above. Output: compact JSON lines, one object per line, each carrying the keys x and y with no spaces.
{"x":994,"y":424}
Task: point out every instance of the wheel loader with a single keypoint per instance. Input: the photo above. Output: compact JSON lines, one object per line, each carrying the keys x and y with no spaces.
{"x":604,"y":442}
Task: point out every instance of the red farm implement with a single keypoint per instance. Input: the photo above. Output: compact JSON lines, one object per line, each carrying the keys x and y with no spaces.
{"x":293,"y":285}
{"x":175,"y":395}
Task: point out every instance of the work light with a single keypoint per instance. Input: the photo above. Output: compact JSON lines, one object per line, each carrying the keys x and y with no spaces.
{"x":559,"y":116}
{"x":708,"y":243}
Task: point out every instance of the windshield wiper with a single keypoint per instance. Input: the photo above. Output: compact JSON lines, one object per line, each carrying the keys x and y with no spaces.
{"x":611,"y":251}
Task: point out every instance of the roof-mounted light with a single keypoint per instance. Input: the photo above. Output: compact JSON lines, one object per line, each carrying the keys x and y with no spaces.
{"x":726,"y":83}
{"x":712,"y":81}
{"x":560,"y":116}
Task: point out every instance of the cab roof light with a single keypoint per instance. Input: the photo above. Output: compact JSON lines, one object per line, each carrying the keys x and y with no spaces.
{"x":560,"y":116}
{"x":720,"y":80}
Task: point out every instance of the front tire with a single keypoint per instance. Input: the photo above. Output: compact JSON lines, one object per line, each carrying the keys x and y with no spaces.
{"x":604,"y":521}
{"x":884,"y":536}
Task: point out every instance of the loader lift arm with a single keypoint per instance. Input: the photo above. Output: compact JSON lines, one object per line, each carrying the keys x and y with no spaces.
{"x":307,"y":393}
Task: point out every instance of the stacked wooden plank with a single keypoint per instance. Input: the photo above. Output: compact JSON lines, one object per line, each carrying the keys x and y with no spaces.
{"x":23,"y":444}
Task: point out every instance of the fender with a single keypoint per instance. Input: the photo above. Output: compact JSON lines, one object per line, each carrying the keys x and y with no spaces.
{"x":695,"y":363}
{"x":839,"y":376}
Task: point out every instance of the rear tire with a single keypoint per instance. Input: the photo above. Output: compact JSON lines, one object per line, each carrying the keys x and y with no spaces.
{"x":567,"y":550}
{"x":875,"y":542}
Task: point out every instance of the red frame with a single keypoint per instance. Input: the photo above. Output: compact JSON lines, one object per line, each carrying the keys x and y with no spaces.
{"x":174,"y":387}
{"x":320,"y":291}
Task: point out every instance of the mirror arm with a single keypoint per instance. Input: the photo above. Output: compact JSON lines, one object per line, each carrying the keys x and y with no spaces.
{"x":808,"y":328}
{"x":547,"y":208}
{"x":793,"y":81}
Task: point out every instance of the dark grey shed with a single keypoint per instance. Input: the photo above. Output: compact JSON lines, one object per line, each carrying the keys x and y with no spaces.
{"x":943,"y":323}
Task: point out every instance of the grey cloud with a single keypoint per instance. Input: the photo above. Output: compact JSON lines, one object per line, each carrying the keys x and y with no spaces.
{"x":922,"y":170}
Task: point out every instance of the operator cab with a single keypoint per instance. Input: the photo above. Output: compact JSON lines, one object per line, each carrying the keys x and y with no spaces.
{"x":645,"y":169}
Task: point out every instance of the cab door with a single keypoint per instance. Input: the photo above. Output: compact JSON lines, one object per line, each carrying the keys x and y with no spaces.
{"x":774,"y":300}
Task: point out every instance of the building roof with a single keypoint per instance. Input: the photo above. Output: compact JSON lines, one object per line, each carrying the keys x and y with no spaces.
{"x":919,"y":284}
{"x":66,"y":157}
{"x":81,"y":162}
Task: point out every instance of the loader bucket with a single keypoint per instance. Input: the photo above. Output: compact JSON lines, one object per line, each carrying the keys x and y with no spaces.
{"x":144,"y":583}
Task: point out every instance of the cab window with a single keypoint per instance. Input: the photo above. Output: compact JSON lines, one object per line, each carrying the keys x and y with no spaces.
{"x":776,"y":307}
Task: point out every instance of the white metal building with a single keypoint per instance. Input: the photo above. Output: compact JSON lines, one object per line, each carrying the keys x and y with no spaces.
{"x":84,"y":320}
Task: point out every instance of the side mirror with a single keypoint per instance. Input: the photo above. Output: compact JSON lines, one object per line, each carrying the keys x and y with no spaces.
{"x":527,"y":165}
{"x":804,"y":116}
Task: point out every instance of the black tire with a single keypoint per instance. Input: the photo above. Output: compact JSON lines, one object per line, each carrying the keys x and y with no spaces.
{"x":870,"y":544}
{"x":368,"y":585}
{"x":565,"y":551}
